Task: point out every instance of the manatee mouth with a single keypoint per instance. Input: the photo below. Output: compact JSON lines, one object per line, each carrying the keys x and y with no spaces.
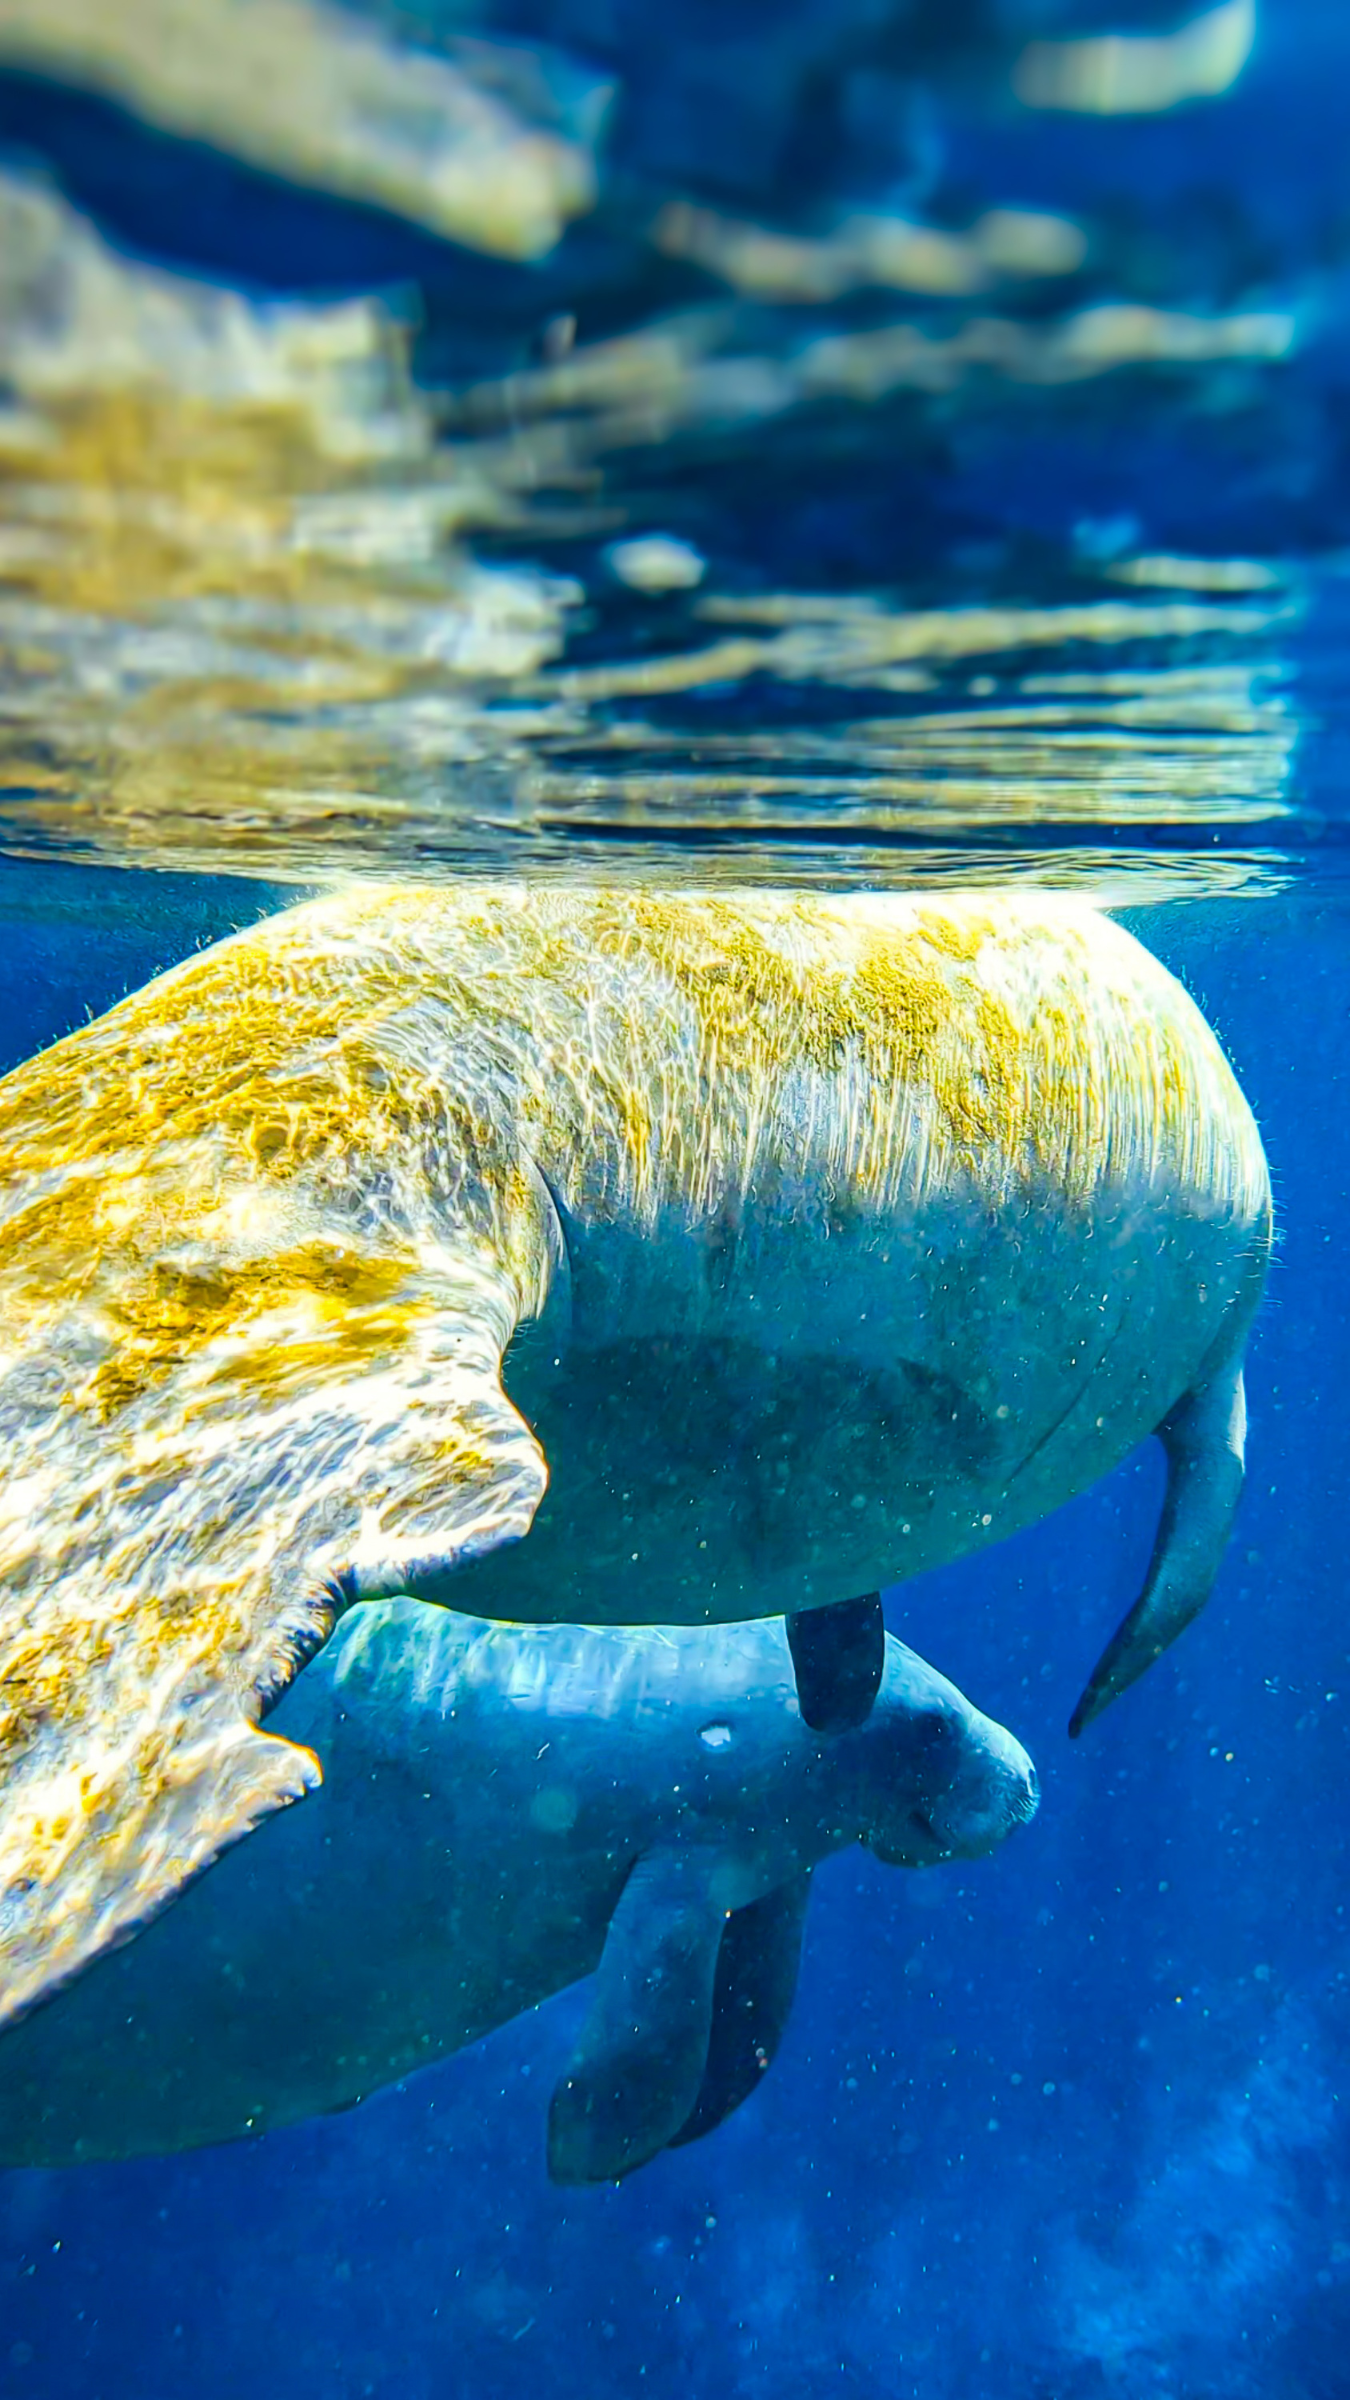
{"x":920,"y":1821}
{"x":1018,"y":1808}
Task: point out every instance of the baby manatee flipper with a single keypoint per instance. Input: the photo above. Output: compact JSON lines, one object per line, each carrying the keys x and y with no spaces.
{"x":1204,"y":1438}
{"x":635,"y":2075}
{"x":757,"y":1969}
{"x":838,"y":1657}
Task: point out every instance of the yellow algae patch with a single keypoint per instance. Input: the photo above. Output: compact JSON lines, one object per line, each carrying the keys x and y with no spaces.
{"x":772,"y":989}
{"x":949,"y":1036}
{"x":260,"y":1251}
{"x":436,"y":1039}
{"x":184,"y":1566}
{"x":958,"y":937}
{"x":332,"y":1308}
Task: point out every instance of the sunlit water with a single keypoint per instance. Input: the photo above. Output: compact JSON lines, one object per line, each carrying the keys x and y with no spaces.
{"x":948,"y":489}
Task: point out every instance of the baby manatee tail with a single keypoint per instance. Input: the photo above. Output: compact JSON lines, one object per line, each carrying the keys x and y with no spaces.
{"x":757,"y":1968}
{"x":635,"y":2075}
{"x":838,"y":1658}
{"x":1204,"y":1438}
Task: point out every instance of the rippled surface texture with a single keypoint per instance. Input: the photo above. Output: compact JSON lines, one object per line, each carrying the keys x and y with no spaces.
{"x":574,"y":450}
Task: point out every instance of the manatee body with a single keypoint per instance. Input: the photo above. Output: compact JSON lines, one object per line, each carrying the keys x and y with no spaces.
{"x":503,"y":1812}
{"x":744,"y":1254}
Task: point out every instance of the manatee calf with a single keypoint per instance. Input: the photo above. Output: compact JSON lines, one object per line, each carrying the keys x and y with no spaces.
{"x":503,"y":1811}
{"x":832,"y":1239}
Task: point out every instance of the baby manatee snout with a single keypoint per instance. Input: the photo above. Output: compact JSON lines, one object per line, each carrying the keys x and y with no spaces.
{"x":955,"y":1783}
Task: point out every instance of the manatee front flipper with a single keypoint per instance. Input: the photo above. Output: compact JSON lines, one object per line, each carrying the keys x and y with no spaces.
{"x":838,"y":1658}
{"x":634,"y":2077}
{"x":757,"y":1968}
{"x":207,"y":1453}
{"x":1204,"y":1438}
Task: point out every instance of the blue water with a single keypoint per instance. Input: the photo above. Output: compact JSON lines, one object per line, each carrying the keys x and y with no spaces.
{"x":1070,"y":2123}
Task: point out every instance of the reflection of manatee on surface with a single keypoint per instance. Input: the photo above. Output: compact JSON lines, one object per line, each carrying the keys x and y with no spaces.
{"x":304,"y":90}
{"x":503,"y":1811}
{"x":841,"y":1237}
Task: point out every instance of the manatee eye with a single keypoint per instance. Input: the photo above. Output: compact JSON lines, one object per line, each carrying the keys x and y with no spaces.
{"x":933,"y":1736}
{"x":932,"y":1729}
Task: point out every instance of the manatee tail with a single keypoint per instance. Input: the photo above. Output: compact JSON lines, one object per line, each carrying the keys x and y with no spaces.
{"x":1204,"y":1438}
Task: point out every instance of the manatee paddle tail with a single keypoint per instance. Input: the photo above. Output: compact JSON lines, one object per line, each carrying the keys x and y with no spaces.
{"x":1204,"y":1439}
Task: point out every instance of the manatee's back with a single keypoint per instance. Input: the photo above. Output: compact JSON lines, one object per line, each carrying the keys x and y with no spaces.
{"x":896,"y":1222}
{"x":673,"y":1052}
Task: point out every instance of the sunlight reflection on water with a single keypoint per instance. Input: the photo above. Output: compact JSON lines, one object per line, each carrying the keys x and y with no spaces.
{"x":276,"y":599}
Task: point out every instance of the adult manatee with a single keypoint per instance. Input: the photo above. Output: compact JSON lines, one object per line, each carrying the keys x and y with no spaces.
{"x":504,"y":1811}
{"x":834,"y":1239}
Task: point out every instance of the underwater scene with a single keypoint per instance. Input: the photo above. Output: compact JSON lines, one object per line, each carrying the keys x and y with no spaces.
{"x":674,"y":726}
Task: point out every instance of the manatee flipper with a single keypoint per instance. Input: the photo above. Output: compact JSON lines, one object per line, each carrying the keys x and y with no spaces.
{"x":838,"y":1658}
{"x":757,"y":1968}
{"x":1204,"y":1438}
{"x":206,"y":1458}
{"x":634,"y":2077}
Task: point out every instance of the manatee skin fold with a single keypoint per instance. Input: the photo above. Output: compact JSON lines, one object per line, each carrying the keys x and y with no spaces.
{"x":504,"y":1811}
{"x":596,"y":1255}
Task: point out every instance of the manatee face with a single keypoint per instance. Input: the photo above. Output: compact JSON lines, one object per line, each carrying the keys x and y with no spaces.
{"x":948,"y":1782}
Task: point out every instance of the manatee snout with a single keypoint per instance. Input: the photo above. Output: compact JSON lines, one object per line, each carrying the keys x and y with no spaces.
{"x":958,"y":1783}
{"x":1002,"y":1791}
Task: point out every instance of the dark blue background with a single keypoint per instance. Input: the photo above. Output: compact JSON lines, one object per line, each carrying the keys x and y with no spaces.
{"x":1065,"y":2124}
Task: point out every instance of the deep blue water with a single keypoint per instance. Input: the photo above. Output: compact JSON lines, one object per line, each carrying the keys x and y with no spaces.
{"x":1071,"y":2124}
